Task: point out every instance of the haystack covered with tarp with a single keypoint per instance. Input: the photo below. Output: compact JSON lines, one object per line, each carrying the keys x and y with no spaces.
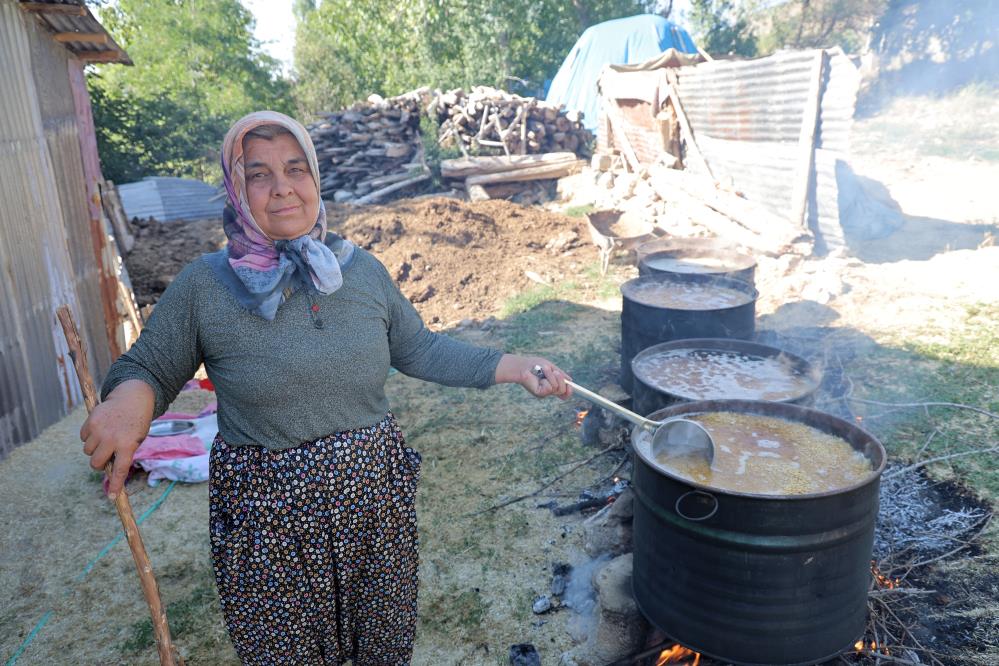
{"x":625,"y":41}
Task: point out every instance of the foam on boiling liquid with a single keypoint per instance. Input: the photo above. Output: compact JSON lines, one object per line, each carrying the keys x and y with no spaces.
{"x":766,"y":455}
{"x":686,"y":295}
{"x":709,"y":374}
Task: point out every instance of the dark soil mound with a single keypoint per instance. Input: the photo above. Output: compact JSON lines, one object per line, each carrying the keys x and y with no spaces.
{"x":454,"y":260}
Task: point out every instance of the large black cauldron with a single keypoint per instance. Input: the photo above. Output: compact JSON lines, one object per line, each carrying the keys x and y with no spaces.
{"x":651,"y":393}
{"x":644,"y":325}
{"x":754,"y":579}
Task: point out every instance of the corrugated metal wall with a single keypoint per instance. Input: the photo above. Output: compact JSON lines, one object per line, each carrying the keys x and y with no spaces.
{"x":747,"y":118}
{"x":47,"y":250}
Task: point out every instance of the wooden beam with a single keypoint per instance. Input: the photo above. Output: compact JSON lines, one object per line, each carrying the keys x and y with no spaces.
{"x":688,"y":135}
{"x":806,"y":143}
{"x":480,"y":164}
{"x":546,"y":171}
{"x":46,"y":8}
{"x":89,"y":37}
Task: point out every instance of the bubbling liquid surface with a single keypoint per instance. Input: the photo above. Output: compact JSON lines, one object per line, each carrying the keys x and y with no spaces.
{"x":765,"y":455}
{"x":687,"y":295}
{"x":708,"y":374}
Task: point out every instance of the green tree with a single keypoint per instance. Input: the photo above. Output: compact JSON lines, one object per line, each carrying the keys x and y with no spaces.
{"x":722,"y":28}
{"x":197,"y":69}
{"x":343,"y":54}
{"x":803,"y":24}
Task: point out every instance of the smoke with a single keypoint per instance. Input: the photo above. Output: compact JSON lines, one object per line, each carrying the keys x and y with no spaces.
{"x":580,"y":596}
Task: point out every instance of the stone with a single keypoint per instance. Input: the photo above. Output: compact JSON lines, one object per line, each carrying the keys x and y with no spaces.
{"x":524,"y":654}
{"x":609,"y":530}
{"x":602,"y":161}
{"x":542,"y":605}
{"x":342,"y":195}
{"x":560,"y":577}
{"x":621,"y":628}
{"x":606,"y":180}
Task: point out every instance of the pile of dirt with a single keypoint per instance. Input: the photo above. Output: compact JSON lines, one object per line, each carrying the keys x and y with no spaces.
{"x":163,"y":248}
{"x":454,"y":260}
{"x":458,"y":260}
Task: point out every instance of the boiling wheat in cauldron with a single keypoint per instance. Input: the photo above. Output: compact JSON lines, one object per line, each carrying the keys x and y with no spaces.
{"x":766,"y":455}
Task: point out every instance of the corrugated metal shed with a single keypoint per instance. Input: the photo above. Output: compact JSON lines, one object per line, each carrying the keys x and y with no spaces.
{"x":747,"y":118}
{"x":72,"y":25}
{"x":754,"y":122}
{"x":168,"y":199}
{"x":52,"y":251}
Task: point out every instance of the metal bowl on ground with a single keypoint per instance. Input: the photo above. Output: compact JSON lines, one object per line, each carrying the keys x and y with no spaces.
{"x":727,"y":310}
{"x":706,"y":256}
{"x":755,"y":579}
{"x":719,"y":369}
{"x":617,"y":230}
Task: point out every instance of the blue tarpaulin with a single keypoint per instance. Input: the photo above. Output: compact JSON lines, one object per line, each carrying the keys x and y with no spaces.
{"x":623,"y":41}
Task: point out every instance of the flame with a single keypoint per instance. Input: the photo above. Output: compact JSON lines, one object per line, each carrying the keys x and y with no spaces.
{"x":870,"y":646}
{"x":882,"y":580}
{"x":580,"y":415}
{"x":676,"y":655}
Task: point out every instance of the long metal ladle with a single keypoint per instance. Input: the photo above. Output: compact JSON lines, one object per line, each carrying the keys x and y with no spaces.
{"x":672,"y":437}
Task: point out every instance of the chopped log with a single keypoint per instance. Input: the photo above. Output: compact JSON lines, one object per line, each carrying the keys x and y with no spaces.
{"x":772,"y":243}
{"x":476,"y":192}
{"x":557,"y":170}
{"x":749,"y":214}
{"x":385,"y":191}
{"x":476,"y":166}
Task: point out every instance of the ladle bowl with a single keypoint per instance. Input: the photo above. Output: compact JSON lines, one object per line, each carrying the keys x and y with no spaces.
{"x":670,"y":438}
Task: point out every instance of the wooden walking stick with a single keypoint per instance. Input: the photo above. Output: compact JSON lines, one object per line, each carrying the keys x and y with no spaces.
{"x":161,"y":630}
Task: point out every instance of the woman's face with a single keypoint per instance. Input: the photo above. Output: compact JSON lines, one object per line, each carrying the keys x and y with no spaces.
{"x":279,"y":187}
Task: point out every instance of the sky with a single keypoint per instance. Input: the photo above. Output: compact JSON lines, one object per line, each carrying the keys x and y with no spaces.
{"x":275,"y":28}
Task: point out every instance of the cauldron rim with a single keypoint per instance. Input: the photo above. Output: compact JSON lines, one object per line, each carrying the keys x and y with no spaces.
{"x":701,"y":278}
{"x":740,"y":260}
{"x":778,"y":410}
{"x":814,"y":373}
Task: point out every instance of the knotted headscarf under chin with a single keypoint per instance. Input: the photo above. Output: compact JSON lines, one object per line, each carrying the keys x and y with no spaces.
{"x":270,"y":270}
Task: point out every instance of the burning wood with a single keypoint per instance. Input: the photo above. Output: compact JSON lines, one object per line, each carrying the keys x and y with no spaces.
{"x":678,"y":654}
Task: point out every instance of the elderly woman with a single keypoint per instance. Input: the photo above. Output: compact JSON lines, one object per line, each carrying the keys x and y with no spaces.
{"x":312,"y":488}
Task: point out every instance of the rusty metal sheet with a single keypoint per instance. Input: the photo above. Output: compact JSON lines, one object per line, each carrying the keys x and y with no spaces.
{"x":46,"y":249}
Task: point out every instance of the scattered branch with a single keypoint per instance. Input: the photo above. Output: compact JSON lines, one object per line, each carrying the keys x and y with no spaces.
{"x":953,"y":405}
{"x":537,"y":492}
{"x":929,"y":461}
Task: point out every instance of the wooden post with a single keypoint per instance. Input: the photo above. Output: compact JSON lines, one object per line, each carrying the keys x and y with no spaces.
{"x":685,"y":131}
{"x":161,"y":630}
{"x":806,"y":143}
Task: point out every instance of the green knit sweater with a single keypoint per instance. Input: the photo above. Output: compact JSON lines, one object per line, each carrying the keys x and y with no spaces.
{"x":284,"y":382}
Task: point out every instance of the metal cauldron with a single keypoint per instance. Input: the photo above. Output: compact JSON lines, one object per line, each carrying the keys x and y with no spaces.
{"x":754,"y":579}
{"x":650,"y":393}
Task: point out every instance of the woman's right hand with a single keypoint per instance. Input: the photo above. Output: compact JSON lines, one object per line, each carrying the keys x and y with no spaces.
{"x":116,"y":427}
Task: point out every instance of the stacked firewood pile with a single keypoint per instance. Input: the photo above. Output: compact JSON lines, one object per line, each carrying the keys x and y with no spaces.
{"x":486,"y":120}
{"x":371,"y":148}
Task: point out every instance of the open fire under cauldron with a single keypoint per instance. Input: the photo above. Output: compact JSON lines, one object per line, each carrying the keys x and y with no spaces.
{"x":704,"y":256}
{"x":690,"y":306}
{"x":719,"y":368}
{"x":755,"y":579}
